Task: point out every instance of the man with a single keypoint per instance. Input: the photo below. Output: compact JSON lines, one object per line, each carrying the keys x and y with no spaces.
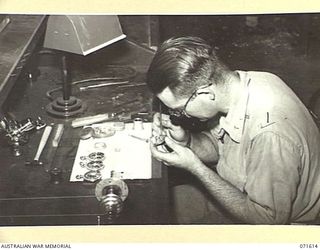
{"x":265,"y":144}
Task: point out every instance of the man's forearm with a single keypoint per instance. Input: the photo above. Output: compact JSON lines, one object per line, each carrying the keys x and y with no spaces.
{"x":231,"y":198}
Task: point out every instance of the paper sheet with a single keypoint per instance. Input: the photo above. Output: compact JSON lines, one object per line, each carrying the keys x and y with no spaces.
{"x":124,"y":154}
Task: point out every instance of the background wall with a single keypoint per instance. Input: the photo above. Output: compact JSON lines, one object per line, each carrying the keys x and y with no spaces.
{"x":287,"y":45}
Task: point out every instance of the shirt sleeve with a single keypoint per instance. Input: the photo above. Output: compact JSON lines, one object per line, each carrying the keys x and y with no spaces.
{"x":273,"y":163}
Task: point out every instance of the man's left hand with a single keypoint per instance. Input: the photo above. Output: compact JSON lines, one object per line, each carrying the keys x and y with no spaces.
{"x":181,"y":157}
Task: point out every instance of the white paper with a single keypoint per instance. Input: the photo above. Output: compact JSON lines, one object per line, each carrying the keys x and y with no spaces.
{"x":124,"y":154}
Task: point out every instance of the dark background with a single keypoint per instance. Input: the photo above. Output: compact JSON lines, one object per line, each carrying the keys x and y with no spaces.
{"x":284,"y":44}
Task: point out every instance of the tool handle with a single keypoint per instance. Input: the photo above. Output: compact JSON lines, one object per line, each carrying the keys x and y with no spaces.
{"x":43,"y":141}
{"x":83,"y":121}
{"x":57,"y":135}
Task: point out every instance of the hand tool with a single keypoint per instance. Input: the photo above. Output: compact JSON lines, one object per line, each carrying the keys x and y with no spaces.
{"x":88,"y":120}
{"x":103,"y":85}
{"x":139,"y":138}
{"x":42,"y":144}
{"x":57,"y":135}
{"x":132,"y":85}
{"x":54,"y":169}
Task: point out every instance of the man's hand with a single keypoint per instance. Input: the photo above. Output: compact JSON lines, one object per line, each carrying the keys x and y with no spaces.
{"x":176,"y":132}
{"x":181,"y":157}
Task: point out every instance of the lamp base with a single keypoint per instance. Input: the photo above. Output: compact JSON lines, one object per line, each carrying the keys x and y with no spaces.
{"x":66,"y":108}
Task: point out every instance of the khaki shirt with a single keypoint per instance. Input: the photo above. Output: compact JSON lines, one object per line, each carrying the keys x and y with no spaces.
{"x":269,"y":148}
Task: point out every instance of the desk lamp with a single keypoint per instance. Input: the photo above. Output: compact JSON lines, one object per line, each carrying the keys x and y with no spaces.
{"x":79,"y":34}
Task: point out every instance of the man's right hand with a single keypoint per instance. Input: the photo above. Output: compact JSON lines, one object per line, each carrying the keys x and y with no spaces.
{"x":175,"y":132}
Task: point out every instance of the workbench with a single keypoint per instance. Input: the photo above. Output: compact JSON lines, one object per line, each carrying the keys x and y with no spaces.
{"x":27,"y":194}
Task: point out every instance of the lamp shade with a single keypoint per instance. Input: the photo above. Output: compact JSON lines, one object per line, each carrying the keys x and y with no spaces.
{"x":82,"y":34}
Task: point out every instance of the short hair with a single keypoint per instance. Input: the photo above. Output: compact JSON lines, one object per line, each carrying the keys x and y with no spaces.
{"x":183,"y":64}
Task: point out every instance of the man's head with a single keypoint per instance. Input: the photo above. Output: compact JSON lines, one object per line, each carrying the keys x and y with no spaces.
{"x":183,"y":69}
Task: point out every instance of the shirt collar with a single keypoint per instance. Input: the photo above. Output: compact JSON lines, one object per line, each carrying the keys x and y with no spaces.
{"x":234,"y":122}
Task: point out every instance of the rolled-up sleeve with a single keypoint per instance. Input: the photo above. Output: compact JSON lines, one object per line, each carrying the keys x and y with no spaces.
{"x":272,"y":178}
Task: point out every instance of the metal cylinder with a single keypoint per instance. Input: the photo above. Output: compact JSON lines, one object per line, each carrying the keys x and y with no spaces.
{"x":138,"y":124}
{"x":66,"y":85}
{"x":111,"y":193}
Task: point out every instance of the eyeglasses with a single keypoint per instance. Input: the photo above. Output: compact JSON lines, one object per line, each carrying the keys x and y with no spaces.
{"x":182,"y":112}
